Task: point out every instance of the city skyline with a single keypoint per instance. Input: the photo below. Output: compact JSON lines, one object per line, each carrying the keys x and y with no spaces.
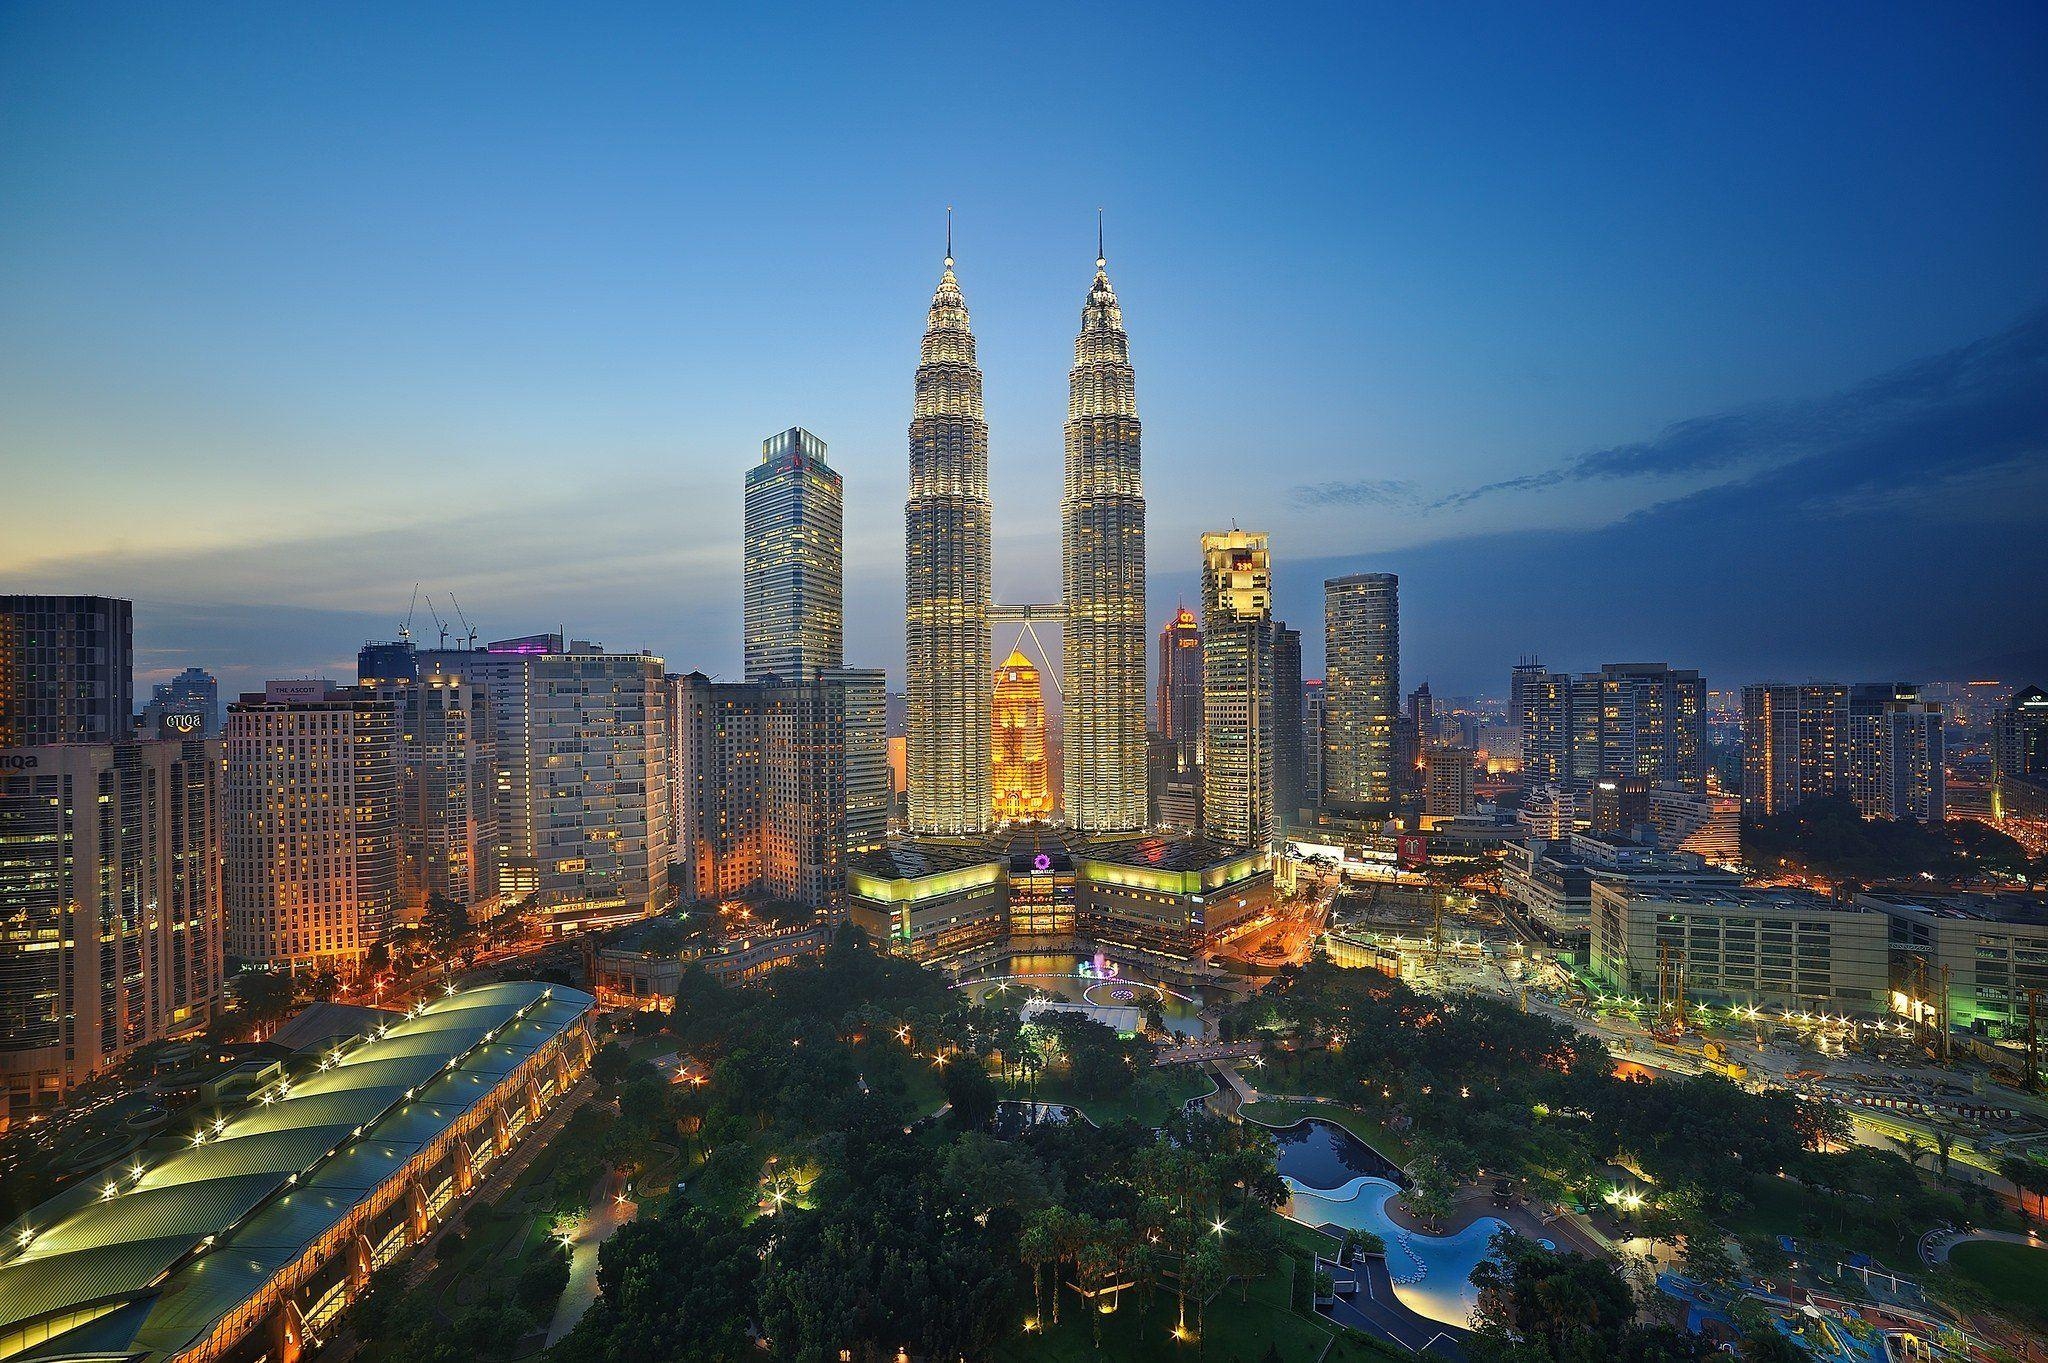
{"x":1480,"y":384}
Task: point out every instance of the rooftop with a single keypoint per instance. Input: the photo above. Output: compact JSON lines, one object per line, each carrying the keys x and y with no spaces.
{"x":147,"y":1255}
{"x":2008,"y":907}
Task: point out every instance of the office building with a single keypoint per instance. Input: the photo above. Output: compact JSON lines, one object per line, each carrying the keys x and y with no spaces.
{"x":1288,"y":762}
{"x":109,"y":857}
{"x":1619,"y":805}
{"x":308,"y":815}
{"x":948,"y":674}
{"x":1237,"y":688}
{"x":1768,"y":948}
{"x":67,"y":670}
{"x":1799,"y":741}
{"x":1180,"y":681}
{"x":1362,"y":678}
{"x":1018,"y":777}
{"x":503,"y":669}
{"x":792,"y":606}
{"x":1313,"y":726}
{"x":1174,"y":785}
{"x":1552,"y":878}
{"x":1102,"y":577}
{"x":1896,"y":760}
{"x":867,"y":752}
{"x":1990,"y":949}
{"x":1447,"y":782}
{"x":1552,"y":810}
{"x":1422,"y":716}
{"x":1628,"y":720}
{"x":762,"y":771}
{"x":447,"y":774}
{"x":186,"y":706}
{"x":246,"y":1238}
{"x":2019,"y":756}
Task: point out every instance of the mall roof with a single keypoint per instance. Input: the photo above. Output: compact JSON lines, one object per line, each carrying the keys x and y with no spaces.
{"x":151,"y":1252}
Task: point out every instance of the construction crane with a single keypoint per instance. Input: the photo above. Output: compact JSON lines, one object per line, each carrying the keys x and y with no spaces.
{"x":441,"y":624}
{"x":463,"y":618}
{"x":405,"y":630}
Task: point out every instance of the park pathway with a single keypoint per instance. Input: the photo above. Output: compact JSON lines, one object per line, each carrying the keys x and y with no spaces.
{"x":610,"y":1208}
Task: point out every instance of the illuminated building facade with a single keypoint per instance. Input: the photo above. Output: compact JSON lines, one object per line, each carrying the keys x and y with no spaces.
{"x":1314,"y":721}
{"x":1799,"y":741}
{"x":1897,"y":759}
{"x":1288,"y":762}
{"x":1180,"y":682}
{"x":1019,"y":779}
{"x":67,"y":670}
{"x":866,"y":692}
{"x":1102,"y":577}
{"x":1447,"y":782}
{"x":948,"y":677}
{"x":309,"y":823}
{"x":1237,"y":688}
{"x":447,"y":764}
{"x":1628,"y":720}
{"x":2019,"y":755}
{"x":792,"y":592}
{"x":109,"y":891}
{"x":1361,"y":689}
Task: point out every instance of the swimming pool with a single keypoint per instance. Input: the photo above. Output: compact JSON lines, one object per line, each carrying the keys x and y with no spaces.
{"x":1320,"y":1154}
{"x":1432,"y":1273}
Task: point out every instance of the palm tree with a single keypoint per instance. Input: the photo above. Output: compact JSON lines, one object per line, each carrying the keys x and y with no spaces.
{"x":1035,"y":1247}
{"x":1914,"y":1148}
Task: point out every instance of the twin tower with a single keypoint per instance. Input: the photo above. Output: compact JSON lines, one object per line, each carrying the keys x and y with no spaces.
{"x":949,"y":607}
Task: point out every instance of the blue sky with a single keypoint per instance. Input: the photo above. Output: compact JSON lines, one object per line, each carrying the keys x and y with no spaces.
{"x":1734,"y":316}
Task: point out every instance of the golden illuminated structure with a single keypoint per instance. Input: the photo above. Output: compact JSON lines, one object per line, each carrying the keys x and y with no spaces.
{"x":1237,"y":688}
{"x":948,"y":679}
{"x":1018,"y":768}
{"x":1102,"y":576}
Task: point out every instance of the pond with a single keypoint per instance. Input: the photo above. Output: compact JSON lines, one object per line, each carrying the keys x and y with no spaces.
{"x":1320,"y":1154}
{"x":1016,"y":980}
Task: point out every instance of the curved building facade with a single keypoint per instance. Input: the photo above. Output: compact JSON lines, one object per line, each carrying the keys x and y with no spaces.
{"x":948,"y":679}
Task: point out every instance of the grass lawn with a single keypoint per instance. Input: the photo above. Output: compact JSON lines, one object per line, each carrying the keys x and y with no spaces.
{"x":1367,"y":1129}
{"x":1237,"y":1331}
{"x":1150,"y":1101}
{"x":2012,"y":1276}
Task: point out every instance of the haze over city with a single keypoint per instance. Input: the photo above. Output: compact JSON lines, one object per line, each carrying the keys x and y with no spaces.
{"x":1633,"y":337}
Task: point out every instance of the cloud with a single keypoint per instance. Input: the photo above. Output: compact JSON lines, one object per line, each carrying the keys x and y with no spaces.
{"x":1362,"y":492}
{"x":1977,"y":406}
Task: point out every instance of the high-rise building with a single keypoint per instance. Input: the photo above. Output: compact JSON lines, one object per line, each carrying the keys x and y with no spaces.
{"x":1522,"y":685}
{"x":1896,"y":763}
{"x":599,"y":758}
{"x":308,"y":813}
{"x":1620,"y":805}
{"x":109,"y":893}
{"x":793,"y":595}
{"x":186,"y":706}
{"x":1643,"y":720}
{"x":1447,"y":782}
{"x":448,"y":766}
{"x":1102,"y":576}
{"x":1362,"y":678}
{"x":1288,"y":762}
{"x":2019,"y":754}
{"x":1237,"y":688}
{"x":1018,"y":776}
{"x":1422,"y":715}
{"x":1707,"y":825}
{"x":761,"y":769}
{"x":67,"y":670}
{"x":1312,"y":731}
{"x":948,"y":677}
{"x":867,"y":752}
{"x":1180,"y":681}
{"x":1799,"y":741}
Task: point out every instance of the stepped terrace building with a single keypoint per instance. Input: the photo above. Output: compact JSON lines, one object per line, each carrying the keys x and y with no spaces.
{"x":243,"y":1239}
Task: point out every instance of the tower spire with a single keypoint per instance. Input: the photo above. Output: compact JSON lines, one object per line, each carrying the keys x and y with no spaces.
{"x":1101,"y":256}
{"x":949,"y":236}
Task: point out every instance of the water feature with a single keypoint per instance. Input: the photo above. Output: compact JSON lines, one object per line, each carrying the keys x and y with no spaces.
{"x":1058,"y":974}
{"x":1320,"y":1154}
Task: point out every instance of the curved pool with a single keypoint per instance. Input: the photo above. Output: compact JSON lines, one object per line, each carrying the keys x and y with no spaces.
{"x":1432,"y":1273}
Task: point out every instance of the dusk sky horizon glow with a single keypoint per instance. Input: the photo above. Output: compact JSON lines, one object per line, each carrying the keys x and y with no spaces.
{"x":1717,"y":337}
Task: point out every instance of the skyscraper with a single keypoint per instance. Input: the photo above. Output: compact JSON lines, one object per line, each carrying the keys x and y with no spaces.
{"x":1312,"y":729}
{"x":1897,"y":760}
{"x":1287,"y":752}
{"x":948,"y":679}
{"x":2019,"y":754}
{"x":1640,"y":720}
{"x":867,"y":752}
{"x":792,"y":590}
{"x":67,"y":670}
{"x":1447,"y":781}
{"x":1362,"y":678}
{"x":1102,"y":576}
{"x":186,"y":706}
{"x":1237,"y":690}
{"x":447,"y":773}
{"x":309,"y":804}
{"x":1180,"y":681}
{"x":1018,"y":776}
{"x":1799,"y":741}
{"x":110,"y":895}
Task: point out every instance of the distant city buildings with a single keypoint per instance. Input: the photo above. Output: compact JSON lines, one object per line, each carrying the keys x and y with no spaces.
{"x":1313,"y":725}
{"x":1874,"y":742}
{"x":1019,"y":777}
{"x":67,"y":670}
{"x":1641,"y":720}
{"x":309,"y":824}
{"x":186,"y":706}
{"x":110,"y":901}
{"x":792,"y":551}
{"x":1361,"y":683}
{"x":1237,"y":688}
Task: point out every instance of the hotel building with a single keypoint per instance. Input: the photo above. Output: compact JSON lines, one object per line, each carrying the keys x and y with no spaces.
{"x":1361,"y":690}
